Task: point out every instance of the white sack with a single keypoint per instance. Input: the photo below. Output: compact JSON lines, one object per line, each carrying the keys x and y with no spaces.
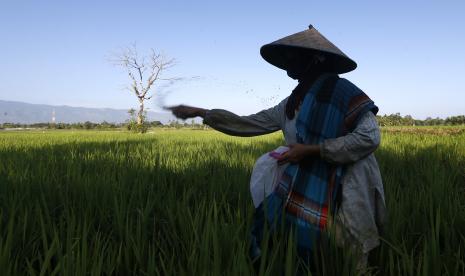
{"x":266,"y":175}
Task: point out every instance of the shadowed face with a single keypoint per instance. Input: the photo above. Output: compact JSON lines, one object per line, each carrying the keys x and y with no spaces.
{"x":296,"y":70}
{"x":300,"y":65}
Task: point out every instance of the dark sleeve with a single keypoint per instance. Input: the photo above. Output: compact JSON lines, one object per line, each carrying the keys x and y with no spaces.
{"x":263,"y":122}
{"x":359,"y":143}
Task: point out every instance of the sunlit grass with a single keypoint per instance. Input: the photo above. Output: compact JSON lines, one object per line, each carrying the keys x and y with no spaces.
{"x":177,"y":203}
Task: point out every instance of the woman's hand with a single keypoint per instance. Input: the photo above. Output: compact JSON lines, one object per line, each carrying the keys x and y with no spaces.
{"x":185,"y":112}
{"x":297,"y":152}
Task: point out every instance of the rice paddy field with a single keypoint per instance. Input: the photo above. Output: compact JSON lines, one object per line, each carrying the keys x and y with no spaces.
{"x":176,"y":202}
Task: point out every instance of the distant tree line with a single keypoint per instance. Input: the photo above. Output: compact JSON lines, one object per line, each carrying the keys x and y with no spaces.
{"x":186,"y":124}
{"x":398,"y":120}
{"x":384,"y":120}
{"x":85,"y":125}
{"x":129,"y":125}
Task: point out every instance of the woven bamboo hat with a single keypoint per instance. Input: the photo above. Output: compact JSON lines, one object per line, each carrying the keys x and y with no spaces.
{"x":304,"y":44}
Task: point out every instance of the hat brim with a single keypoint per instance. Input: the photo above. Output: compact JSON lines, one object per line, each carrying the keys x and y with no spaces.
{"x":279,"y":56}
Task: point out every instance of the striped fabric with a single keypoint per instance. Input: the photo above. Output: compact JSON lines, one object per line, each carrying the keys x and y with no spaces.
{"x":307,"y":192}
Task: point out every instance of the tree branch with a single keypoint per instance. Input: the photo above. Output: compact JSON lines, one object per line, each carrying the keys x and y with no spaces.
{"x":144,"y":72}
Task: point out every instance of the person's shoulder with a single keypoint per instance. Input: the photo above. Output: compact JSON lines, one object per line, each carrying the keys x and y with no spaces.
{"x":283,"y":102}
{"x":281,"y":105}
{"x":346,"y":84}
{"x":279,"y":110}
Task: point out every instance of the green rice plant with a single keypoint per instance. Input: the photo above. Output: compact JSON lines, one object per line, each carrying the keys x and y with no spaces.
{"x":176,"y":202}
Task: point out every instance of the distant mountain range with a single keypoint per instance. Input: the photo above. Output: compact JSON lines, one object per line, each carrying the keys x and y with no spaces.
{"x":25,"y":113}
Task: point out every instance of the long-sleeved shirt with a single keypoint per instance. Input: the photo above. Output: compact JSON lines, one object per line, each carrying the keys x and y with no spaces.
{"x":362,"y":212}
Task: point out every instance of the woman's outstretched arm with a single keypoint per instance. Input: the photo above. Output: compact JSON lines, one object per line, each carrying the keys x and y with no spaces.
{"x":263,"y":122}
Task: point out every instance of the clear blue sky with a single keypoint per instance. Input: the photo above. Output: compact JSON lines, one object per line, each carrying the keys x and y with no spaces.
{"x":410,"y":54}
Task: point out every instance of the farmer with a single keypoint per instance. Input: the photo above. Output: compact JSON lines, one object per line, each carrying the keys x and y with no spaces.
{"x":330,"y":126}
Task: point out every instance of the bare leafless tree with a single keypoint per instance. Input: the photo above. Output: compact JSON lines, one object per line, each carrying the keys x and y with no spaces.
{"x":145,"y":73}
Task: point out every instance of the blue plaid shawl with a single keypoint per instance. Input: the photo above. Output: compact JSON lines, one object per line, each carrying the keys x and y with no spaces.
{"x":307,"y":192}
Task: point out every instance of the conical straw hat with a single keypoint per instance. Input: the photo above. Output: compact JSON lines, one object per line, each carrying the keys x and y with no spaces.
{"x":306,"y":43}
